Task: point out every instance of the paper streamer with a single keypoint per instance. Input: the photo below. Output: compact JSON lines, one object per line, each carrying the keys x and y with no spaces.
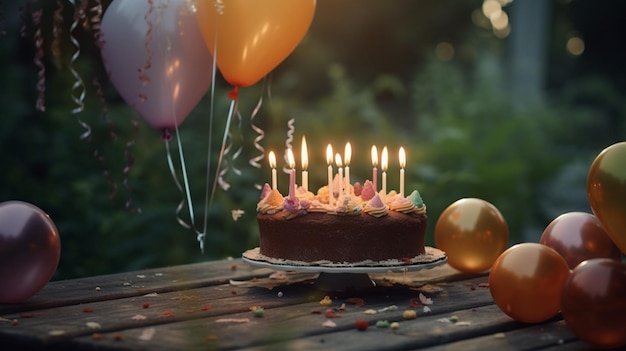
{"x":78,"y":84}
{"x":40,"y":104}
{"x":144,"y":77}
{"x":130,"y":163}
{"x":57,"y":31}
{"x":288,"y":143}
{"x":100,"y":158}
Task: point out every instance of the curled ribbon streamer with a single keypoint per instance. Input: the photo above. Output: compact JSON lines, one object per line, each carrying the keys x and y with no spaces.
{"x":40,"y":105}
{"x":144,"y":77}
{"x":78,"y":84}
{"x":96,"y":22}
{"x":57,"y":30}
{"x":240,"y":149}
{"x":256,"y":161}
{"x":22,"y":12}
{"x":112,"y":134}
{"x":231,"y":112}
{"x":290,"y":132}
{"x":130,"y":164}
{"x":223,"y":170}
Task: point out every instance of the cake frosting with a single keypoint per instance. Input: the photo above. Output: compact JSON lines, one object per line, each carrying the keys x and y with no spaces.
{"x":361,"y":226}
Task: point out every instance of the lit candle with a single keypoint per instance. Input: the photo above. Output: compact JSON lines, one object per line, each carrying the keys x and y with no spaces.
{"x":383,"y":166}
{"x":305,"y":165}
{"x":340,"y":170}
{"x":272,"y":158}
{"x":402,"y":158}
{"x":329,"y":160}
{"x":375,"y":167}
{"x":346,"y":158}
{"x":292,"y":174}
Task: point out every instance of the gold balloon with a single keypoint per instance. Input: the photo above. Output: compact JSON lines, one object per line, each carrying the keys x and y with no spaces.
{"x":527,"y":280}
{"x":473,"y":234}
{"x":606,"y":191}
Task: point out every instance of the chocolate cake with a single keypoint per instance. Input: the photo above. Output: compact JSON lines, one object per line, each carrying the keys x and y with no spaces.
{"x":342,"y":238}
{"x":361,"y":227}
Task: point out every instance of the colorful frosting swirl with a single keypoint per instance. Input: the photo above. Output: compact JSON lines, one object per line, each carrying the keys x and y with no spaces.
{"x":271,"y":201}
{"x":376,"y":207}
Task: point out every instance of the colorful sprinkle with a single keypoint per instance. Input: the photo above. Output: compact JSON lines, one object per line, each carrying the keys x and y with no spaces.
{"x":326,"y":301}
{"x":409,"y":314}
{"x":382,"y":324}
{"x":361,"y":324}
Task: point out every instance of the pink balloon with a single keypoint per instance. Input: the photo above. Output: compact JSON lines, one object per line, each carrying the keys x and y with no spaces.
{"x":156,"y":58}
{"x":30,"y":249}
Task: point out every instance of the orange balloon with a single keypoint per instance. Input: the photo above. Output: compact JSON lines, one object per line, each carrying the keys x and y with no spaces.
{"x":473,"y":234}
{"x":606,"y":191}
{"x":594,"y":302}
{"x":253,"y":36}
{"x":526,"y":282}
{"x":579,"y":236}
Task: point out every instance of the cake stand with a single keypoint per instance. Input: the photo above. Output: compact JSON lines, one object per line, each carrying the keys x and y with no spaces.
{"x":342,"y":277}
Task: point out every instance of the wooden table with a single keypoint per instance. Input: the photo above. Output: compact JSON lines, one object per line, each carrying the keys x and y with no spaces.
{"x":210,"y":305}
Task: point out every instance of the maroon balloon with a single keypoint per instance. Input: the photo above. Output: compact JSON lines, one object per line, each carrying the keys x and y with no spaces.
{"x":579,"y":236}
{"x":593,"y":304}
{"x":30,"y":249}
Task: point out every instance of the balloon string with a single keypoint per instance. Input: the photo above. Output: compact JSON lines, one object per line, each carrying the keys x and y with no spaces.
{"x":208,"y":196}
{"x":78,"y":84}
{"x":288,"y":143}
{"x":40,"y":105}
{"x":167,"y":137}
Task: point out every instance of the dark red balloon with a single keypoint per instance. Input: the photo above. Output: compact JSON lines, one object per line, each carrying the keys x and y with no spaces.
{"x":579,"y":236}
{"x":30,"y":249}
{"x":593,"y":304}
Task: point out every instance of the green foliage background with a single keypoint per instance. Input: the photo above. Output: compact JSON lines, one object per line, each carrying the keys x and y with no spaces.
{"x":364,"y":74}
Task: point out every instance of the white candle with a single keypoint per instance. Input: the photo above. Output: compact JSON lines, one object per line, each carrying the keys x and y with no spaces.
{"x":402,"y":158}
{"x":329,"y":160}
{"x":292,"y":174}
{"x":346,"y":158}
{"x":384,"y":160}
{"x":340,"y":171}
{"x":375,"y":168}
{"x":272,"y":160}
{"x":305,"y":165}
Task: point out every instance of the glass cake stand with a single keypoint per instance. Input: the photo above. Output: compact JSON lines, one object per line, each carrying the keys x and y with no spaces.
{"x":342,"y":277}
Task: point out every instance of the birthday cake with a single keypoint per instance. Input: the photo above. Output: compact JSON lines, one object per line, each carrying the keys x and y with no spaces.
{"x":361,"y":227}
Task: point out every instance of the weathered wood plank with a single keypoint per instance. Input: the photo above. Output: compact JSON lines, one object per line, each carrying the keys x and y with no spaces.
{"x":527,"y":337}
{"x":113,"y":286}
{"x":59,"y":324}
{"x":286,"y":323}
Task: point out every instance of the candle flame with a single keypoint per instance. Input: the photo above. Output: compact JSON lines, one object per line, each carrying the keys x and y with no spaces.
{"x":402,"y":157}
{"x":272,"y":158}
{"x":329,"y":154}
{"x":374,"y":156}
{"x":305,"y":154}
{"x":348,"y":154}
{"x":290,"y":159}
{"x":338,"y":160}
{"x":384,"y":159}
